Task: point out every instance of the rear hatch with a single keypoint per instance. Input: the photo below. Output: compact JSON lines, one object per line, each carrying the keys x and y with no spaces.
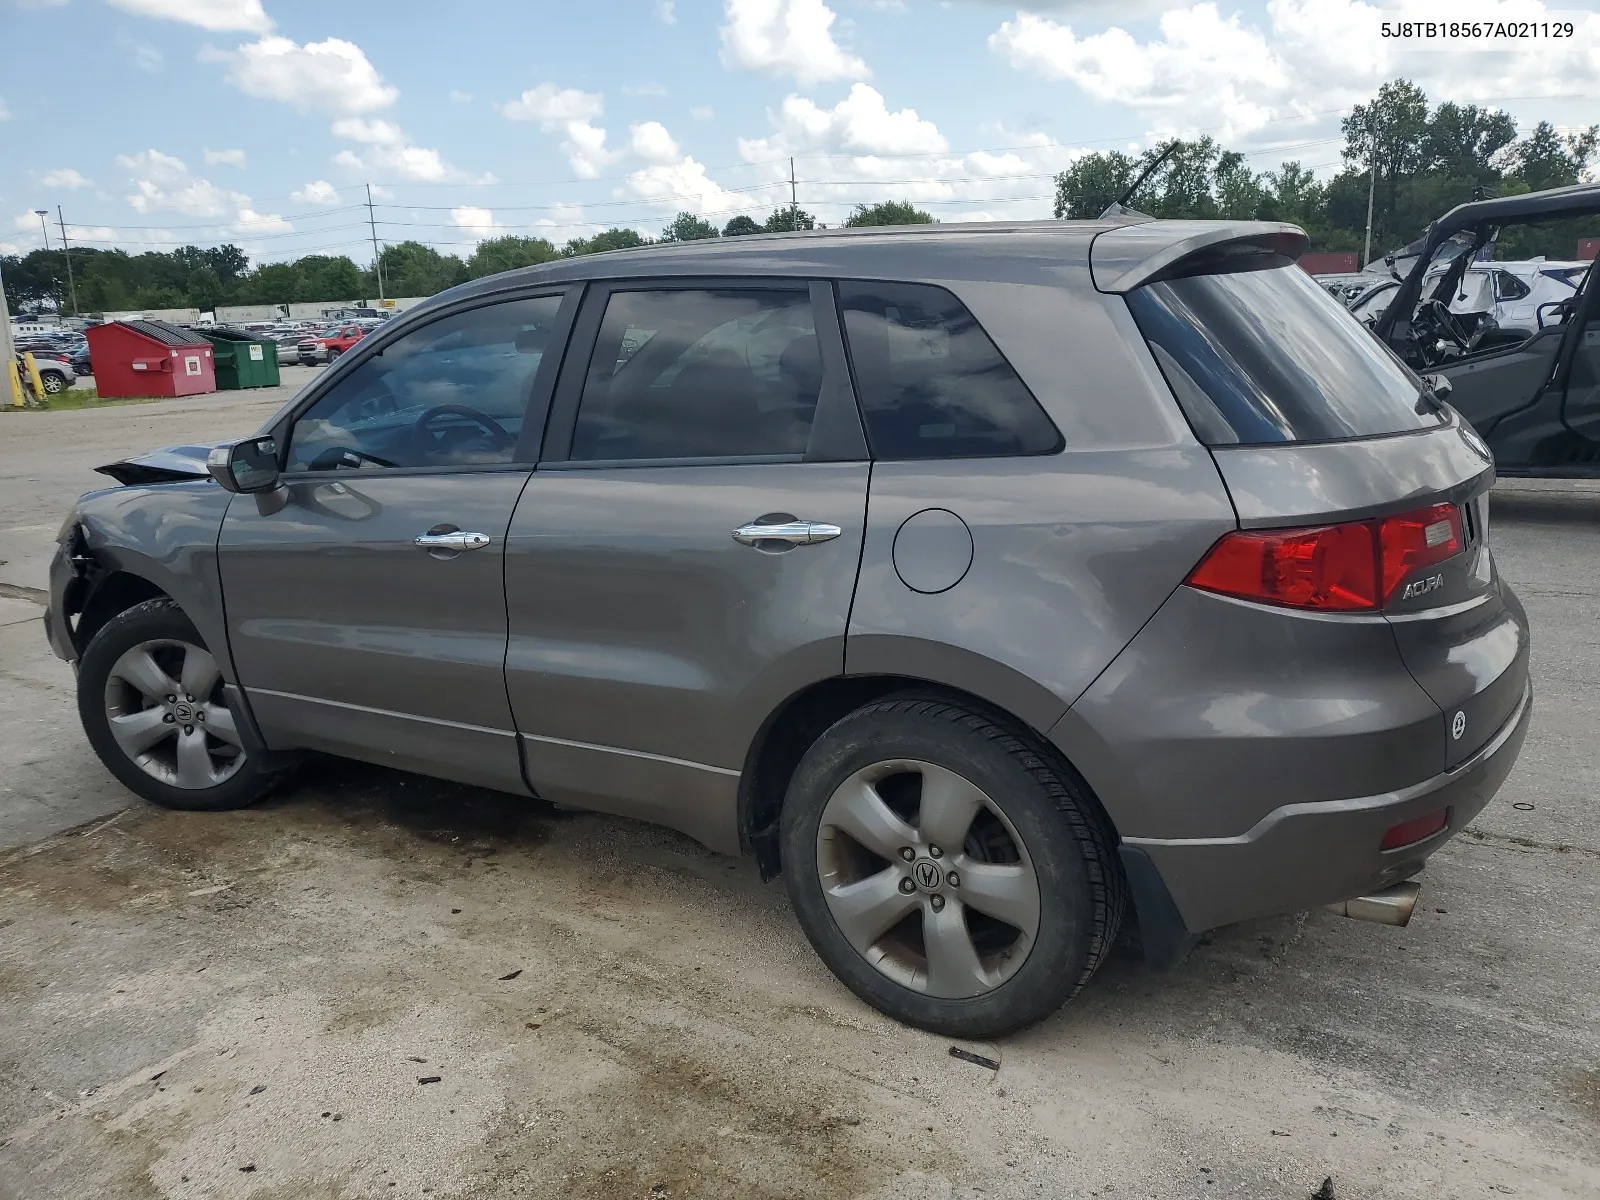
{"x":1316,"y":426}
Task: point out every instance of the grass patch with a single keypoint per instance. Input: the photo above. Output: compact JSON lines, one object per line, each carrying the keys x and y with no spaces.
{"x":74,"y":398}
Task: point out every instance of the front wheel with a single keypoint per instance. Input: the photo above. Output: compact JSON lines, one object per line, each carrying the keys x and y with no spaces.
{"x":333,"y":354}
{"x":54,"y":382}
{"x":151,"y":699}
{"x":945,"y":871}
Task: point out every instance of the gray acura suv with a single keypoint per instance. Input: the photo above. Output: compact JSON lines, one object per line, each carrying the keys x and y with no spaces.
{"x":987,"y":582}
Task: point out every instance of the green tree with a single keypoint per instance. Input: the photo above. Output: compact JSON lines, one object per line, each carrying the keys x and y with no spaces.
{"x":789,"y":220}
{"x":228,"y":261}
{"x":412,"y":269}
{"x":1241,"y":194}
{"x":1388,"y":134}
{"x":327,"y":278}
{"x":686,"y":227}
{"x":611,"y":239}
{"x":204,"y":288}
{"x":740,"y":226}
{"x":1092,"y":184}
{"x":1547,"y":159}
{"x":887,"y":212}
{"x":507,"y":254}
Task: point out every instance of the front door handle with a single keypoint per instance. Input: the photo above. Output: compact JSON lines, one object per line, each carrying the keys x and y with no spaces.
{"x":451,"y":543}
{"x":796,"y":533}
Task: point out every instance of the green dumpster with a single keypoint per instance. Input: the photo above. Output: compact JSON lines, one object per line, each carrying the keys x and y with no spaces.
{"x":242,"y":360}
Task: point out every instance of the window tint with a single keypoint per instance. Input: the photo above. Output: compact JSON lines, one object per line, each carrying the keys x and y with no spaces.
{"x":931,"y":383}
{"x":1268,"y":356}
{"x":449,"y":393}
{"x":679,"y":373}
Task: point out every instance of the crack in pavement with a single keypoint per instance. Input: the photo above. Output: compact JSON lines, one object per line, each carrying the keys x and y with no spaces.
{"x":17,"y":591}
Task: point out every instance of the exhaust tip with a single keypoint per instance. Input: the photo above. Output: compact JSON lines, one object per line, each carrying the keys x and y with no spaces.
{"x":1391,"y":906}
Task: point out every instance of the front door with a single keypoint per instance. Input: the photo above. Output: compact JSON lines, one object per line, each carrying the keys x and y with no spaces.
{"x":686,"y":557}
{"x":366,"y":600}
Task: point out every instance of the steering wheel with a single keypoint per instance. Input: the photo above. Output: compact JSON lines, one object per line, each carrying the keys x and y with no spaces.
{"x":1445,"y":321}
{"x":427,"y":443}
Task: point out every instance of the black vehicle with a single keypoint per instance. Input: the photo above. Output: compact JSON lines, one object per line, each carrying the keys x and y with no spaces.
{"x":1534,"y":398}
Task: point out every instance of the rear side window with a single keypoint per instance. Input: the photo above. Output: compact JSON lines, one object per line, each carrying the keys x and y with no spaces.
{"x":1268,"y":356}
{"x":681,"y":373}
{"x":931,"y":383}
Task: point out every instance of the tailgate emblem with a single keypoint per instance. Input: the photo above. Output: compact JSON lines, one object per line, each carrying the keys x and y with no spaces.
{"x":1458,"y":725}
{"x":1422,"y":587}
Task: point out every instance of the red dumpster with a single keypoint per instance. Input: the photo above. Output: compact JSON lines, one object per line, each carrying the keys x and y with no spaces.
{"x":149,"y":358}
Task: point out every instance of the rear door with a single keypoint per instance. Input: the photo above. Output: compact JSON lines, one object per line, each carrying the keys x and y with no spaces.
{"x":1312,"y":422}
{"x":684,"y":557}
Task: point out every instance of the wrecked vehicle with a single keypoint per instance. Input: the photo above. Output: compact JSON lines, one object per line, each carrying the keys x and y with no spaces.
{"x":989,"y":583}
{"x":1533,"y":396}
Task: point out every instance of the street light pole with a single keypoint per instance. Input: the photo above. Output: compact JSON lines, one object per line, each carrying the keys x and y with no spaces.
{"x":42,"y":213}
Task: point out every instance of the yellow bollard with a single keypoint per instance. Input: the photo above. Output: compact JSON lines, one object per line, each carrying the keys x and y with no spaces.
{"x":14,"y":384}
{"x":33,"y":376}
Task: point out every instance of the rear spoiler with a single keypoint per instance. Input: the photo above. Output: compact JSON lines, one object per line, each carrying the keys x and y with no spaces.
{"x":1128,"y":257}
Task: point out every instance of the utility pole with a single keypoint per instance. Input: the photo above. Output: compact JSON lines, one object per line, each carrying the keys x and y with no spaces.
{"x":794,"y":203}
{"x":377,"y":262}
{"x":42,"y":213}
{"x":1372,"y":186}
{"x":66,"y":253}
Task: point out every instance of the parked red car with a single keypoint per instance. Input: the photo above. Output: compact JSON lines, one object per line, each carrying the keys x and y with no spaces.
{"x":326,"y":346}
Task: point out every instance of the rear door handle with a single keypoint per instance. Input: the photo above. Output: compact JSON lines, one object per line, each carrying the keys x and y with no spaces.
{"x":796,"y":533}
{"x":451,"y":543}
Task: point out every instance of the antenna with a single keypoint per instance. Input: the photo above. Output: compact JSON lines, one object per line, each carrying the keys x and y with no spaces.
{"x":1119,"y":207}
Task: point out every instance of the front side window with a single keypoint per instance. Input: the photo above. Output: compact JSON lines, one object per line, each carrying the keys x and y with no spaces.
{"x":931,"y":383}
{"x":700,"y":373}
{"x":450,"y":393}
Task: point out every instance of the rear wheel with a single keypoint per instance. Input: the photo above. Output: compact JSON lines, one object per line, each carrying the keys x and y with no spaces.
{"x":945,"y":871}
{"x":151,"y":699}
{"x":54,"y":381}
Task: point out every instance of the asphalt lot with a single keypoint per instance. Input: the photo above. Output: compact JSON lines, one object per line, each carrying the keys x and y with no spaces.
{"x":246,"y":1004}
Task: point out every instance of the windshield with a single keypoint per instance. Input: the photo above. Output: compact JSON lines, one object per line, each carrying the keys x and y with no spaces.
{"x":1268,"y":356}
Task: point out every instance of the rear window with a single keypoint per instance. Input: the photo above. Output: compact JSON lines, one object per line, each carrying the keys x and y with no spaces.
{"x":1268,"y":356}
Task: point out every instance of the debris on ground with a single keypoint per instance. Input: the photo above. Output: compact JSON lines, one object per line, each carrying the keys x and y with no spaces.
{"x":969,"y":1056}
{"x":429,"y":1078}
{"x":1325,"y":1192}
{"x":513,"y":975}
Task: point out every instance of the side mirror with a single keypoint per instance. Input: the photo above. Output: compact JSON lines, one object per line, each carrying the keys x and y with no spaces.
{"x":249,"y":466}
{"x":1439,"y":385}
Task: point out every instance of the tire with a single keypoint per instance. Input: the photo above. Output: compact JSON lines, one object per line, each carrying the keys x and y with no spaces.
{"x":1018,"y":815}
{"x":123,"y":683}
{"x":54,"y":382}
{"x":333,"y":353}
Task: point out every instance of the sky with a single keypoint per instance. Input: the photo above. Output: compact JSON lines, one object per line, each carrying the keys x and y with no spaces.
{"x":159,"y":123}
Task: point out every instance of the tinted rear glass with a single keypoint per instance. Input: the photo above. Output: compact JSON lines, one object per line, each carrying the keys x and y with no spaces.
{"x":1269,"y":356}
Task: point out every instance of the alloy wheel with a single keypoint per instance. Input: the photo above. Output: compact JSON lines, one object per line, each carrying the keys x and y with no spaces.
{"x":927,"y":878}
{"x":165,"y":709}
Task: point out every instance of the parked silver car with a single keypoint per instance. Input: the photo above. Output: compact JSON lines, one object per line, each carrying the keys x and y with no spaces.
{"x":976,"y":579}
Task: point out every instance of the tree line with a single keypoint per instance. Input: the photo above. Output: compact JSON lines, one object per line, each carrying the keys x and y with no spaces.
{"x":1417,"y":161}
{"x":196,"y":277}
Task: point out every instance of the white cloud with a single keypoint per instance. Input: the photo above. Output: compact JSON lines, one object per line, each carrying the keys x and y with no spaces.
{"x":573,"y":112}
{"x":217,"y":16}
{"x":1207,"y":70}
{"x":585,"y":148}
{"x":148,"y":57}
{"x":459,"y":97}
{"x":652,"y":142}
{"x":479,"y":223}
{"x":333,"y":75}
{"x":702,"y":112}
{"x":684,"y":185}
{"x":163,"y":183}
{"x":861,"y":123}
{"x":667,"y":12}
{"x":318,"y":192}
{"x":552,"y":106}
{"x":233,"y":158}
{"x":786,"y":37}
{"x":64,"y":177}
{"x":373,"y":132}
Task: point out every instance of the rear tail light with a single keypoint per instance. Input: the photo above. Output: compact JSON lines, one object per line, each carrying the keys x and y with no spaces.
{"x":1349,"y":567}
{"x":1415,"y":830}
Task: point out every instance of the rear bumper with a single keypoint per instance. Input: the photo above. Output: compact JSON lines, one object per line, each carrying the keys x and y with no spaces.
{"x":1305,"y":855}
